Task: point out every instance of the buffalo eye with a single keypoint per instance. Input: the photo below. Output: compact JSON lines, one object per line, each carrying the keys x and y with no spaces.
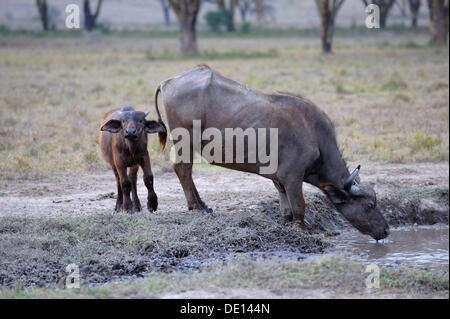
{"x":370,"y":205}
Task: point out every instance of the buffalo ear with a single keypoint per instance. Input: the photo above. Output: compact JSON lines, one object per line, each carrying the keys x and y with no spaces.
{"x":335,"y":194}
{"x":154,"y":127}
{"x":113,"y":126}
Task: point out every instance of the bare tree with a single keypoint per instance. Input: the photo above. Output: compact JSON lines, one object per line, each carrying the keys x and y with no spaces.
{"x":228,"y":8}
{"x":187,"y":11}
{"x":438,"y":21}
{"x":385,"y":6}
{"x":244,"y":7}
{"x":166,"y":10}
{"x":259,"y":9}
{"x":414,"y":6}
{"x":43,"y":13}
{"x":328,"y":10}
{"x":89,"y":17}
{"x":402,"y":6}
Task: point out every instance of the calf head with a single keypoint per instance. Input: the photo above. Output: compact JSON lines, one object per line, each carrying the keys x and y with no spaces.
{"x":132,"y":124}
{"x":357,"y":202}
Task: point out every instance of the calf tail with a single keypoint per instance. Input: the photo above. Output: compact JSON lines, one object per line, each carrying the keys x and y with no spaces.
{"x":161,"y":135}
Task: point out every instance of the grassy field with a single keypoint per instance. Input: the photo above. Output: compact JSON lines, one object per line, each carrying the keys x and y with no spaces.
{"x":386,"y":93}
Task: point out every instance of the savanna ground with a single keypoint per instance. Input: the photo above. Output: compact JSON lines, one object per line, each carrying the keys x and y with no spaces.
{"x":386,"y":93}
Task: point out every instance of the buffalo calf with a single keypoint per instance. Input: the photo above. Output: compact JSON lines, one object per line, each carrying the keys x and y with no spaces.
{"x":123,"y":144}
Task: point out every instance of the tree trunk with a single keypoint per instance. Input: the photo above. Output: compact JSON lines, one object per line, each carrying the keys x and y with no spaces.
{"x":89,"y":18}
{"x":414,"y":6}
{"x":438,"y":21}
{"x":383,"y":16}
{"x":385,"y":7}
{"x":187,"y":11}
{"x":243,"y":9}
{"x":43,"y":13}
{"x":188,"y":38}
{"x":230,"y":20}
{"x":166,"y":10}
{"x":259,"y":10}
{"x":325,"y":19}
{"x":328,"y":10}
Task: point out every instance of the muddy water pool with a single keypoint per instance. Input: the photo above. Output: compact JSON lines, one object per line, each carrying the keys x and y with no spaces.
{"x":422,"y":247}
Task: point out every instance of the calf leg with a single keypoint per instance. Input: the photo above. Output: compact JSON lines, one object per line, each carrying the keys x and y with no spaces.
{"x":152,"y":199}
{"x":285,"y":208}
{"x":119,"y":199}
{"x":184,"y":173}
{"x":125,"y":184}
{"x":132,"y":175}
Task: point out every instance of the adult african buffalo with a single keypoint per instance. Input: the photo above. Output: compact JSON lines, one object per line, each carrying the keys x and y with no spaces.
{"x":307,"y":147}
{"x":123,"y":144}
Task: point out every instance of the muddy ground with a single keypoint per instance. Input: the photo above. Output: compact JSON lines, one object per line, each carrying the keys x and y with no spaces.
{"x":49,"y":223}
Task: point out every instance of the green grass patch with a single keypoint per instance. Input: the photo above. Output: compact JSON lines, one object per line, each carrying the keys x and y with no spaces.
{"x":244,"y":32}
{"x":212,"y":55}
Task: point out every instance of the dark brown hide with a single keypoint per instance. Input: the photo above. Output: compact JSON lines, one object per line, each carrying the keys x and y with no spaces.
{"x":123,"y":144}
{"x":307,"y":147}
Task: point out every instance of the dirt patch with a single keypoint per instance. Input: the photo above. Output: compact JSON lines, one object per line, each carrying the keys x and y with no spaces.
{"x":309,"y":293}
{"x":247,"y":293}
{"x":327,"y":276}
{"x":36,"y":251}
{"x":48,"y":224}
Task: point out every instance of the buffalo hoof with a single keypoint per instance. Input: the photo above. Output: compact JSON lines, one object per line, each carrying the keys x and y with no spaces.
{"x":136,"y":208}
{"x":288,"y":218}
{"x":115,"y":211}
{"x":152,"y":205}
{"x":205,"y":210}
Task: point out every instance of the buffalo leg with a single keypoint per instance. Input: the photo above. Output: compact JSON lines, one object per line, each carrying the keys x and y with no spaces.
{"x":125,"y":184}
{"x":132,"y":175}
{"x":152,"y":199}
{"x":294,"y":192}
{"x":285,"y":208}
{"x":184,"y":173}
{"x":119,"y":199}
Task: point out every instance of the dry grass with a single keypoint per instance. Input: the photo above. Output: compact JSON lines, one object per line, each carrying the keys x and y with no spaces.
{"x":389,"y":103}
{"x":346,"y":278}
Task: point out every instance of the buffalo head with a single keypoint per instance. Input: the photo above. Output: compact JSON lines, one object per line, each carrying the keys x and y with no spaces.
{"x":357,"y":202}
{"x":133,"y":124}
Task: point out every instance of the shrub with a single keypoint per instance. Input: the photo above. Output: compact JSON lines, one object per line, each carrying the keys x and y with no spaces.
{"x":245,"y":28}
{"x":215,"y":20}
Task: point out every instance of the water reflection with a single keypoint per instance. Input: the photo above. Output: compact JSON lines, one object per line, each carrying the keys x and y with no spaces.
{"x":424,"y":246}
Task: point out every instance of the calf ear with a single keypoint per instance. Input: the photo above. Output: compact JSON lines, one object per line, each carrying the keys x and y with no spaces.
{"x":112,"y":126}
{"x":335,"y":194}
{"x":154,"y":127}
